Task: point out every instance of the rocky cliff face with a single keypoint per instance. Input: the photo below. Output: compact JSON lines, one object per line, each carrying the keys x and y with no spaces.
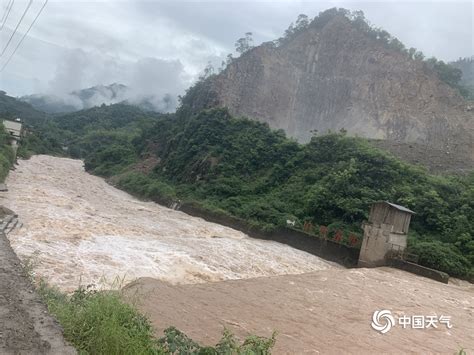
{"x":337,"y":77}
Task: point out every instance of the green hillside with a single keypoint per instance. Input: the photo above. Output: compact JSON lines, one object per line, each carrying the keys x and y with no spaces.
{"x":12,"y":108}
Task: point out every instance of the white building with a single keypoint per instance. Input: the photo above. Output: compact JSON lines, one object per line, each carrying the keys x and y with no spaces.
{"x":14,"y":129}
{"x":385,"y":233}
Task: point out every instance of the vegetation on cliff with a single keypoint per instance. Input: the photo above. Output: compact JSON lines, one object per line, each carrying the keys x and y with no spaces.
{"x":451,"y":74}
{"x":466,"y":66}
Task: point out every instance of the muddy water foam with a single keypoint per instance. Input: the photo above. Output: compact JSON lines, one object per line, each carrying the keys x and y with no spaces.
{"x":77,"y":229}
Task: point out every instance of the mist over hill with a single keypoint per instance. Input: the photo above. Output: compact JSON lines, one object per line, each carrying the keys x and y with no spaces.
{"x":98,"y":95}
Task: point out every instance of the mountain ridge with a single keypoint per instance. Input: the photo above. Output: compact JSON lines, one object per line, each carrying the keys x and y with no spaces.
{"x":333,"y":76}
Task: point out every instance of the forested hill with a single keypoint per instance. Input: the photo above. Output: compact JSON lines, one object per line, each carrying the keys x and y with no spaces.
{"x":58,"y":134}
{"x":103,"y":117}
{"x":242,"y":168}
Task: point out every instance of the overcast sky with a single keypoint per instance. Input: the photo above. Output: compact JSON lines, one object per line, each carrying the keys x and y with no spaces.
{"x":161,"y":46}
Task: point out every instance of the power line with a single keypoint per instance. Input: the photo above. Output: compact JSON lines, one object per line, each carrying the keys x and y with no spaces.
{"x":7,"y":13}
{"x":6,"y":7}
{"x":24,"y":36}
{"x":16,"y":28}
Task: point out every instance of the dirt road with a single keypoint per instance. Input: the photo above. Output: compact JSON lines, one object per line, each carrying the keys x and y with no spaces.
{"x":25,"y":325}
{"x":323,"y":312}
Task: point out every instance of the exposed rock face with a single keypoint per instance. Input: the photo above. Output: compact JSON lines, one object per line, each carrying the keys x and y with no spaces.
{"x":339,"y":78}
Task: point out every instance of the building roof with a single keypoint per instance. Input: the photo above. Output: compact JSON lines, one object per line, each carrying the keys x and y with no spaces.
{"x":398,"y":207}
{"x":12,"y":125}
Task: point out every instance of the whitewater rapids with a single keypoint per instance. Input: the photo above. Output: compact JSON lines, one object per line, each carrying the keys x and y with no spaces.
{"x":79,"y":230}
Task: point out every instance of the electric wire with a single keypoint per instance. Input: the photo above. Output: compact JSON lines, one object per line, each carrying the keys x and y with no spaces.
{"x":8,"y":9}
{"x":24,"y":36}
{"x":16,"y":28}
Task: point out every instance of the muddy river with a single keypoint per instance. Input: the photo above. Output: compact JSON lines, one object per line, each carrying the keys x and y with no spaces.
{"x":79,"y":230}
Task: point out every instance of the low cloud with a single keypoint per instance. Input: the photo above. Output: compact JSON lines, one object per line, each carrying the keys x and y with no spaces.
{"x":70,"y":72}
{"x":157,"y":75}
{"x":153,"y":83}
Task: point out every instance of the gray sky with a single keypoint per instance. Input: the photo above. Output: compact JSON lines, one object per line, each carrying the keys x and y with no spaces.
{"x":161,"y":46}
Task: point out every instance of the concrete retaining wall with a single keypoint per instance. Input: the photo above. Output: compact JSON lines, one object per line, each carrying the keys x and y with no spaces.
{"x":419,"y":270}
{"x":326,"y":249}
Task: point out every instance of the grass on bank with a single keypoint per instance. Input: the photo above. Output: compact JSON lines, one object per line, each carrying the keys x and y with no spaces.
{"x":102,"y":323}
{"x":6,"y":154}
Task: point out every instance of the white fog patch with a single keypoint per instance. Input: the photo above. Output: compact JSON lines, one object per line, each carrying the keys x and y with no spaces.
{"x":157,"y":82}
{"x":71,"y":72}
{"x":87,"y":79}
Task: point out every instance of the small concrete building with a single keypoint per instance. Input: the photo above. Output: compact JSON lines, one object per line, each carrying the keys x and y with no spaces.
{"x":384,"y":233}
{"x":14,"y":129}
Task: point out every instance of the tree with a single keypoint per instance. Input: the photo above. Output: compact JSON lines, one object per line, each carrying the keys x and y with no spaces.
{"x":302,"y":22}
{"x":396,"y":44}
{"x":358,"y":19}
{"x":208,"y":71}
{"x":419,"y":55}
{"x":383,"y":36}
{"x":244,"y":44}
{"x":447,"y":73}
{"x":289,"y":31}
{"x":357,"y":15}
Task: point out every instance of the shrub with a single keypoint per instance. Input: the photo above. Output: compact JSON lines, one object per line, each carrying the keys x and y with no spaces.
{"x":4,"y":167}
{"x":145,"y":186}
{"x":176,"y":342}
{"x":102,"y":323}
{"x":441,"y":256}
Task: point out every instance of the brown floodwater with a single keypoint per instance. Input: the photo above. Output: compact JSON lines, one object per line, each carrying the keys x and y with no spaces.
{"x":79,"y":230}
